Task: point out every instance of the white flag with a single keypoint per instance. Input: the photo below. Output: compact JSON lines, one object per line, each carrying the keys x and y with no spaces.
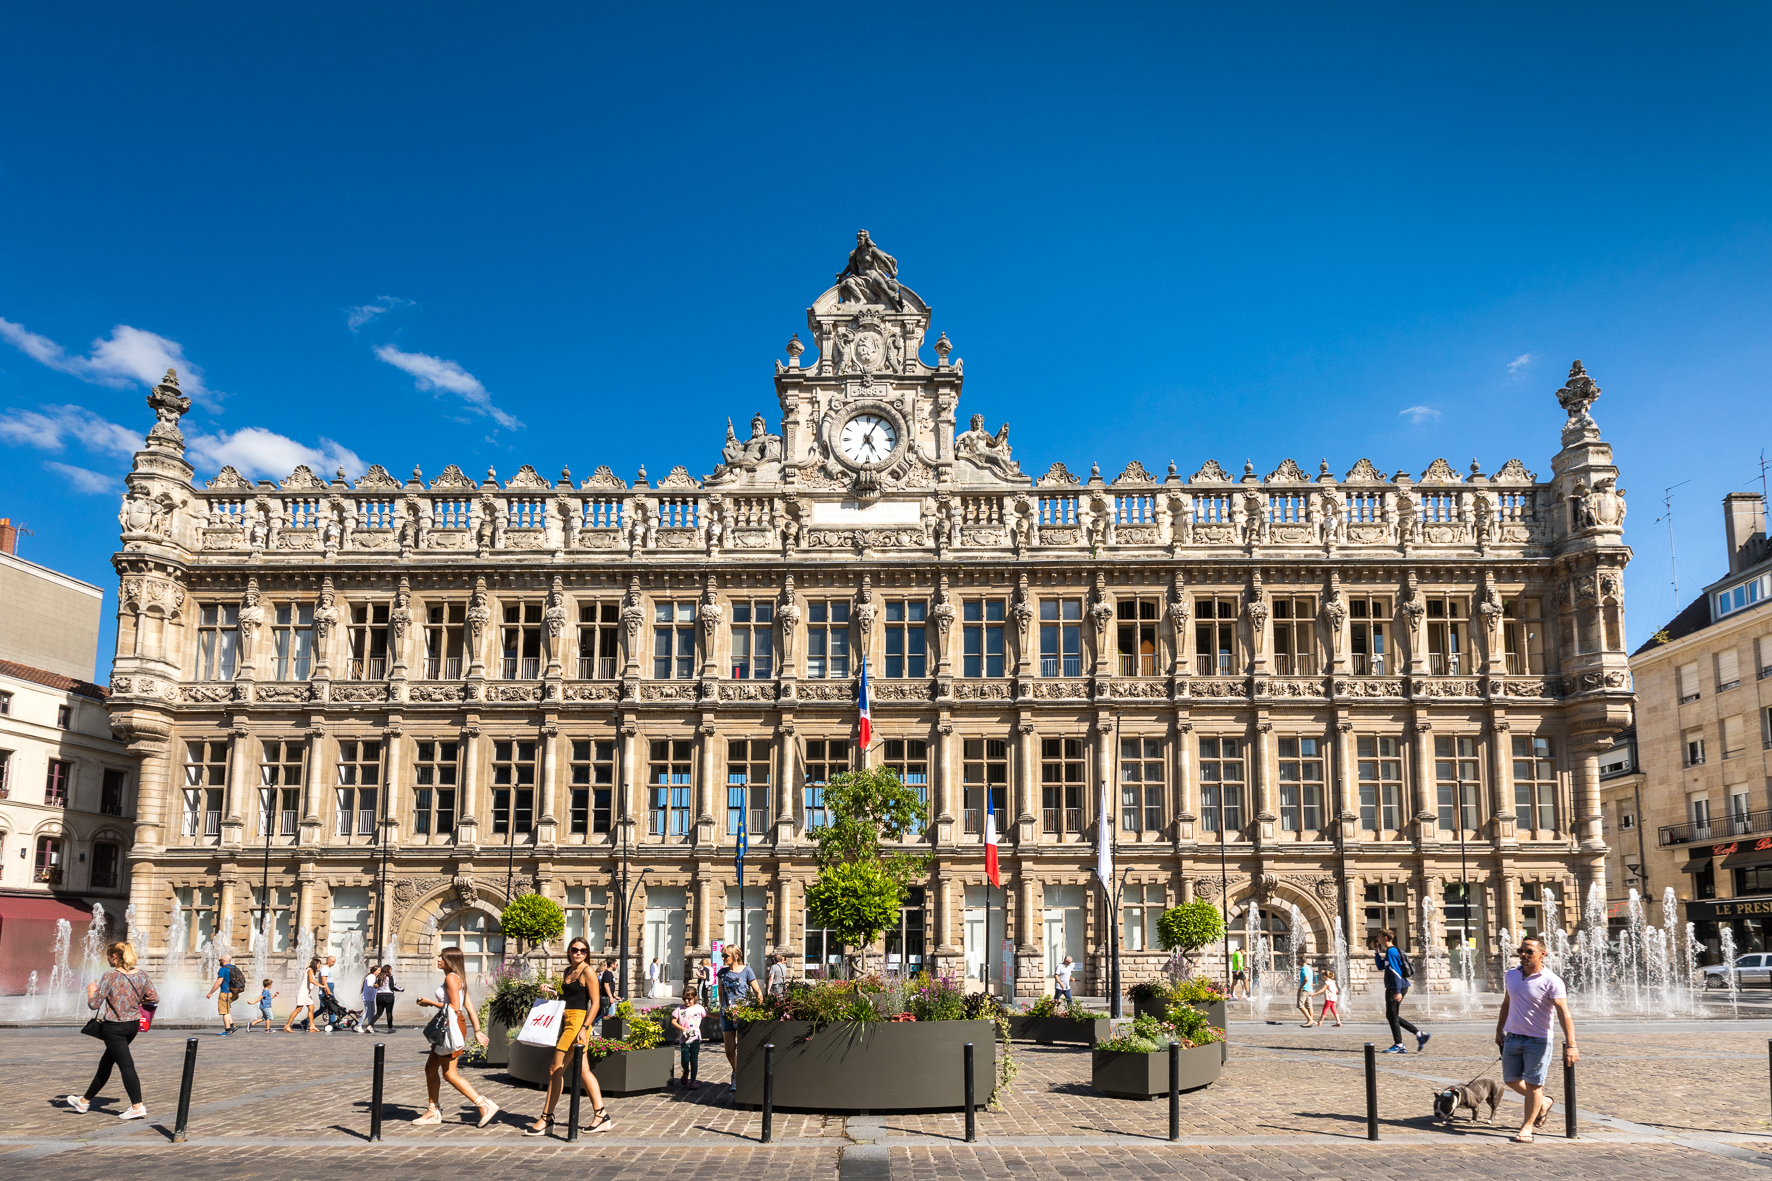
{"x":1104,"y":842}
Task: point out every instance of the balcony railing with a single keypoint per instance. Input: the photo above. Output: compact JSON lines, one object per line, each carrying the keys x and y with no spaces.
{"x":1050,"y":664}
{"x":596,"y":668}
{"x":524,"y":668}
{"x":50,"y":874}
{"x":1142,"y":664}
{"x":1368,"y":666}
{"x":1717,"y":828}
{"x":439,"y":668}
{"x":374,"y":668}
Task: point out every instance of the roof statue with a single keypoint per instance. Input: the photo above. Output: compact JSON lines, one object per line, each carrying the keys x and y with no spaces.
{"x":871,"y":275}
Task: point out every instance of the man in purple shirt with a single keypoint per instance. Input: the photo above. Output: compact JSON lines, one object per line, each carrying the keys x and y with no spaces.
{"x":1523,"y":1031}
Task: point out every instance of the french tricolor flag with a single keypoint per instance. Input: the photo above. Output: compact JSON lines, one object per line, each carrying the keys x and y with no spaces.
{"x":990,"y":848}
{"x":867,"y":721}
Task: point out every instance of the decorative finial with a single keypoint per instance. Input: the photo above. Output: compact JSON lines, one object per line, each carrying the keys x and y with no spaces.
{"x":795,"y":348}
{"x":1248,"y":468}
{"x":1172,"y":469}
{"x":491,"y":474}
{"x":1095,"y":473}
{"x":1323,"y":470}
{"x":417,"y":475}
{"x":1476,"y":469}
{"x":641,"y":478}
{"x":171,"y":377}
{"x":943,"y":346}
{"x":565,"y":474}
{"x":340,"y":475}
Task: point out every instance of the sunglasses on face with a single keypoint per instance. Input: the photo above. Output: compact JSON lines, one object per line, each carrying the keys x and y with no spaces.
{"x":576,"y":951}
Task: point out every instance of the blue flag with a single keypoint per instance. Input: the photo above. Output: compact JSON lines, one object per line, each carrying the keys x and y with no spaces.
{"x":744,"y":840}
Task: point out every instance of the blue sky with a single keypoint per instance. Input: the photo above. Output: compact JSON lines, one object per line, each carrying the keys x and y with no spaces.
{"x":517,"y":234}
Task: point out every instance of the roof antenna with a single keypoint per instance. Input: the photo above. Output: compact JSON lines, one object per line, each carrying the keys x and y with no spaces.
{"x":1667,"y":504}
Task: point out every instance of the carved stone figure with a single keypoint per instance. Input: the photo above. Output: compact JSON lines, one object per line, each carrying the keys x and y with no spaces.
{"x":990,"y":451}
{"x":476,"y":619}
{"x":787,"y":618}
{"x":870,"y":276}
{"x":632,"y":613}
{"x":326,"y":614}
{"x":169,"y":405}
{"x":554,"y":616}
{"x":748,"y":454}
{"x":400,"y":618}
{"x":943,"y":611}
{"x":258,"y":534}
{"x":252,"y":617}
{"x":1579,"y":393}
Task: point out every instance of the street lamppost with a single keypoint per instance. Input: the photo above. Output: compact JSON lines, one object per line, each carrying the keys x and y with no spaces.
{"x":624,"y":897}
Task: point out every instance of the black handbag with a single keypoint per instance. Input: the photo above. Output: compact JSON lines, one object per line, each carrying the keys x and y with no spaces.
{"x":436,"y":1032}
{"x":93,"y":1028}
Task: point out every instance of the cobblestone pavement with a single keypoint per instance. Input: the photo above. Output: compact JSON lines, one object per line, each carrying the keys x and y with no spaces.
{"x":1685,"y":1096}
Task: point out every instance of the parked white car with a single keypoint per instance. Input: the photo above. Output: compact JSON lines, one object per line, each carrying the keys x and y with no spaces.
{"x":1751,"y":969}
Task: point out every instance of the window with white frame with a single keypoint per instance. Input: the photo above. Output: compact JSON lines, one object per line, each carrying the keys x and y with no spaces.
{"x":827,"y":638}
{"x":673,"y":640}
{"x":587,"y":916}
{"x":1215,"y":635}
{"x":1535,"y":785}
{"x":513,"y":787}
{"x":1448,"y":636}
{"x":747,"y":786}
{"x":825,"y":757}
{"x":981,"y":652}
{"x":368,"y":637}
{"x":668,"y":771}
{"x":753,"y":639}
{"x":1221,"y":785}
{"x":1141,"y":906}
{"x":599,"y":639}
{"x":1457,"y":783}
{"x":1739,"y":598}
{"x":910,"y":758}
{"x":359,"y":779}
{"x":1062,"y":785}
{"x":292,"y":640}
{"x":1136,"y":636}
{"x":433,"y":794}
{"x":1369,"y":618}
{"x":593,"y":784}
{"x":907,"y":652}
{"x":206,"y":775}
{"x":1693,"y":741}
{"x":1061,"y":637}
{"x":1688,"y":677}
{"x":1301,"y":783}
{"x":444,"y":623}
{"x":56,"y":782}
{"x":197,"y":905}
{"x":276,"y":922}
{"x":520,"y":641}
{"x":1379,"y":770}
{"x":1141,"y":785}
{"x":218,"y":642}
{"x":1522,"y":629}
{"x":984,"y":774}
{"x":1295,"y":635}
{"x":279,"y":791}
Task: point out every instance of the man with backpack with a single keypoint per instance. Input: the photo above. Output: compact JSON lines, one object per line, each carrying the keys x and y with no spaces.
{"x":1398,"y":971}
{"x":231,"y":982}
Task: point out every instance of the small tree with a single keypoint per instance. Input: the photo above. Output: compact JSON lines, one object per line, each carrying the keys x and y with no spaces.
{"x":861,"y":886}
{"x":1189,"y":927}
{"x":532,"y":919}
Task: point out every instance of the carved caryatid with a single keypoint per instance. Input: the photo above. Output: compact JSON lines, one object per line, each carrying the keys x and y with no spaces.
{"x":1022,"y":610}
{"x":477,"y":618}
{"x":787,"y":618}
{"x":711,"y":614}
{"x":864,"y":607}
{"x":1257,"y":610}
{"x":987,"y":450}
{"x":870,"y":276}
{"x":943,"y":611}
{"x":1101,"y":610}
{"x":554,"y":616}
{"x":326,"y":613}
{"x":400,"y":618}
{"x":632,"y":613}
{"x":252,"y":617}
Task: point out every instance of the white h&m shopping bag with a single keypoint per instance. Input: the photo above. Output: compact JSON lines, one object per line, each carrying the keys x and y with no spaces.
{"x":542,"y":1026}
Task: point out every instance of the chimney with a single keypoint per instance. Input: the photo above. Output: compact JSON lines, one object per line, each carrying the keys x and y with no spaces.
{"x":1744,"y":528}
{"x":8,"y":536}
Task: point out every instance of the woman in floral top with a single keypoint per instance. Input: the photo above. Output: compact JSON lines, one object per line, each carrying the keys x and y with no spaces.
{"x":116,"y":999}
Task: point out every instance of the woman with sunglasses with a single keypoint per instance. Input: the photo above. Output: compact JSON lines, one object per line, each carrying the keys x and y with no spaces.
{"x":579,"y":990}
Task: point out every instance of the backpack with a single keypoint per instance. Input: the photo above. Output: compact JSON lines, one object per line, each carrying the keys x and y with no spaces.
{"x":236,"y":980}
{"x":1404,"y":965}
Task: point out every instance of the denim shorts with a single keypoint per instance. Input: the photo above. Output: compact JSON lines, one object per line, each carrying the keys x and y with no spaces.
{"x":727,"y":1024}
{"x":1525,"y":1059}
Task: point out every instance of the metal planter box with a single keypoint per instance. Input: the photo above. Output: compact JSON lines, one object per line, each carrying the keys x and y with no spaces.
{"x":625,"y":1072}
{"x":882,"y":1066}
{"x":1146,"y":1076}
{"x":1050,"y":1030}
{"x":1214,"y":1010}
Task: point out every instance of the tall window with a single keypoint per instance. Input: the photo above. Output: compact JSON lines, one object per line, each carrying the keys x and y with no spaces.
{"x":904,"y":941}
{"x":1369,"y":619}
{"x":1221,"y":785}
{"x":673,"y":641}
{"x":1301,"y":784}
{"x":55,"y":783}
{"x":1694,"y":746}
{"x":1141,"y":785}
{"x":218,"y":638}
{"x":1061,"y":785}
{"x":197,"y":904}
{"x":599,"y":631}
{"x":827,"y":638}
{"x":107,"y":862}
{"x":279,"y":791}
{"x":1295,"y":635}
{"x":1728,"y":670}
{"x":276,"y":923}
{"x":1140,"y":908}
{"x":984,"y":773}
{"x":481,"y":940}
{"x":5,"y":774}
{"x":906,"y":652}
{"x":513,"y":786}
{"x":433,"y":794}
{"x":1699,"y":807}
{"x":1386,"y":909}
{"x":520,"y":639}
{"x":1380,"y":772}
{"x":667,"y":777}
{"x":753,"y":639}
{"x":292,"y":640}
{"x":593,"y":784}
{"x":5,"y":703}
{"x":64,"y":716}
{"x":1137,"y":636}
{"x":1448,"y":642}
{"x":359,"y":776}
{"x":824,"y":758}
{"x":747,"y":785}
{"x":824,"y":954}
{"x":1535,"y":784}
{"x":206,"y":774}
{"x":1534,"y":903}
{"x":443,"y":641}
{"x":1523,"y":635}
{"x":1061,"y":637}
{"x":981,"y":653}
{"x":110,"y":793}
{"x":49,"y":861}
{"x":1455,"y":777}
{"x":587,"y":916}
{"x":1215,"y":635}
{"x":369,"y":642}
{"x":910,"y":758}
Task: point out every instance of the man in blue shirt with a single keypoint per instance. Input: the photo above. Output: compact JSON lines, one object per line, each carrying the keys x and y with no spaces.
{"x":1390,"y":961}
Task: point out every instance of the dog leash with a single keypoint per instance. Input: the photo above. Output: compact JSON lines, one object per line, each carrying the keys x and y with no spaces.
{"x":1479,"y":1073}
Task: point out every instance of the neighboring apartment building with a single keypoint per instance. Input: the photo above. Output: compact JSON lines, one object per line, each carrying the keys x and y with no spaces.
{"x":1330,"y":696}
{"x":1704,"y":737}
{"x":67,"y":785}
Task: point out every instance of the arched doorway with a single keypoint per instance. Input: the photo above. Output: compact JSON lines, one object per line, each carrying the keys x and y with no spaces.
{"x":480,"y":938}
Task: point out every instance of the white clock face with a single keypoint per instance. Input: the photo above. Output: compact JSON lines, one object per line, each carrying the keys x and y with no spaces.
{"x":868,"y":438}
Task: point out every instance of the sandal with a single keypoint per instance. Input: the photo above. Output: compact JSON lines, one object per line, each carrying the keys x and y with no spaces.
{"x":1523,"y":1138}
{"x":1545,"y":1114}
{"x":547,"y":1125}
{"x":431,"y":1116}
{"x":488,"y":1109}
{"x":600,"y":1120}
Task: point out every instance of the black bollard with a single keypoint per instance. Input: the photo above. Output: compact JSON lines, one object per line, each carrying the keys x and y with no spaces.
{"x":381,"y":1060}
{"x":1569,"y":1120}
{"x":1174,"y":1090}
{"x":577,"y":1067}
{"x":184,"y":1091}
{"x":768,"y":1091}
{"x":971,"y":1113}
{"x":1371,"y":1091}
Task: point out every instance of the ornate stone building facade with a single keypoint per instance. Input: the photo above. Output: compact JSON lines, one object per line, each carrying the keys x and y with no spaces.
{"x":1344,"y":693}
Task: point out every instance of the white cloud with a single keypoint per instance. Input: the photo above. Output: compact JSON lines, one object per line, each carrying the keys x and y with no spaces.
{"x":434,"y":373}
{"x":255,"y":451}
{"x":1419,"y":414}
{"x":356,"y":317}
{"x":83,"y":480}
{"x":50,"y":429}
{"x":128,"y":355}
{"x":1518,"y":363}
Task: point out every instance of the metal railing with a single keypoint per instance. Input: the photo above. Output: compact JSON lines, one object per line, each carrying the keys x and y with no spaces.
{"x":439,"y":668}
{"x":1718,"y":828}
{"x":596,"y":668}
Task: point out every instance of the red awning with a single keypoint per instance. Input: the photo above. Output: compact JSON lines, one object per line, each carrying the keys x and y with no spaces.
{"x":14,"y":906}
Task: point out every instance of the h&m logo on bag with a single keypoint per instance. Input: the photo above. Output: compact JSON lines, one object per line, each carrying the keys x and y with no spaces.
{"x":544,"y":1020}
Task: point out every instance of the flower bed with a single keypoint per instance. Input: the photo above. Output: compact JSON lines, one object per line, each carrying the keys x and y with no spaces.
{"x":1136,"y":1065}
{"x":1156,"y":998}
{"x":634,"y":1064}
{"x":1047,"y":1023}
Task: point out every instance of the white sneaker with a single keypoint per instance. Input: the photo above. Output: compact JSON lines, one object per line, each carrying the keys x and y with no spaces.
{"x":139,"y":1111}
{"x":77,"y":1103}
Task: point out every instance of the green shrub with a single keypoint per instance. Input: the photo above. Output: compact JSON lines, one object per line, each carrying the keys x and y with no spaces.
{"x":1190,"y":926}
{"x":532,"y":919}
{"x":855,"y":900}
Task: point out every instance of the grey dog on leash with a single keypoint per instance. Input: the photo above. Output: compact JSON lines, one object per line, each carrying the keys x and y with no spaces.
{"x":1449,"y":1102}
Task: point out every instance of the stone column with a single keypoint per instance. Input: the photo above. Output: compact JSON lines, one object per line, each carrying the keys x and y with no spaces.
{"x":703,"y":926}
{"x":947,"y":812}
{"x":1186,"y":790}
{"x":784,"y":921}
{"x":314,"y":775}
{"x":470,"y":774}
{"x":391,"y":786}
{"x":239,"y":777}
{"x":1585,"y":822}
{"x":785,"y":817}
{"x":547,"y":790}
{"x":1021,"y":808}
{"x":1262,"y":780}
{"x":624,"y":806}
{"x":1421,"y":774}
{"x":226,"y":884}
{"x":1104,"y":770}
{"x":705,"y":806}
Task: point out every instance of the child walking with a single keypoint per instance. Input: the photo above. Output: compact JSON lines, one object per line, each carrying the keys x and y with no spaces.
{"x":687,"y":1021}
{"x":1331,"y":994}
{"x":265,"y":997}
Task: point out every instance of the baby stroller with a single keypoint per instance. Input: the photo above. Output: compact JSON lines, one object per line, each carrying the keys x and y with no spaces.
{"x":332,"y":1015}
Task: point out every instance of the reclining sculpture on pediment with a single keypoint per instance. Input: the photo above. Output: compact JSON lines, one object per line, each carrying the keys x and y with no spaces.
{"x":989,"y":453}
{"x":746,"y":455}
